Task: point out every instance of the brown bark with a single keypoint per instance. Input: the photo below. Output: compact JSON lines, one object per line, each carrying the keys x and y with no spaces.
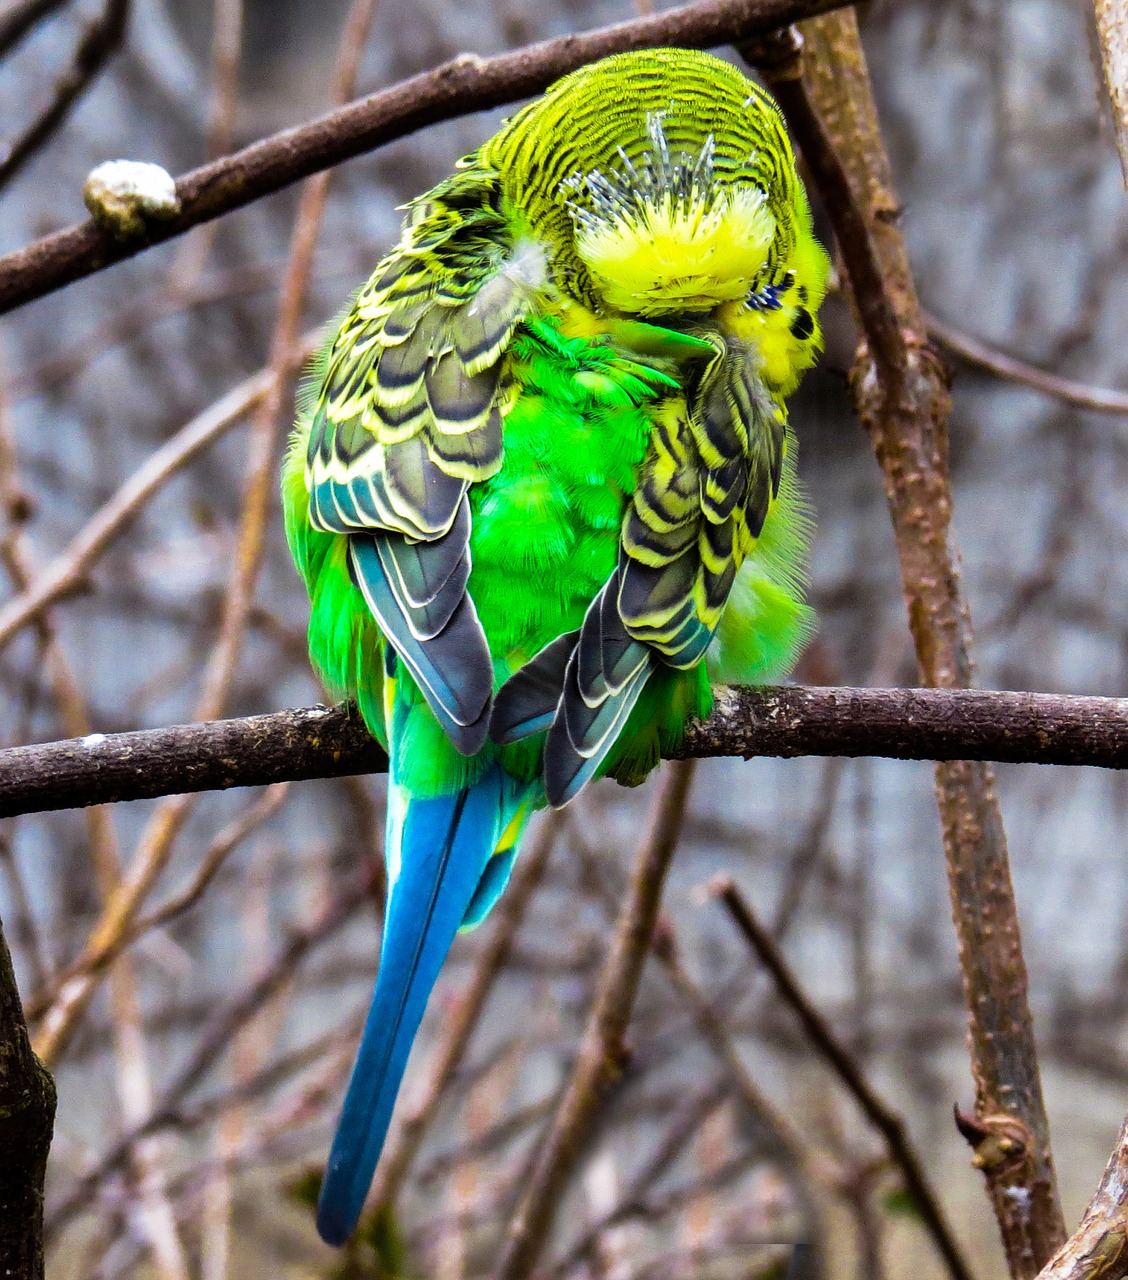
{"x":789,"y":721}
{"x":1098,"y":1249}
{"x":901,"y":395}
{"x":466,"y":84}
{"x":27,"y":1117}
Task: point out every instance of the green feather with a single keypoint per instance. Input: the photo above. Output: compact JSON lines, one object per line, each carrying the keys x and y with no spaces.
{"x":480,"y":359}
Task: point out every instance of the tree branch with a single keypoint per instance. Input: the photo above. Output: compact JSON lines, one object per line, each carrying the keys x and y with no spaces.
{"x":820,"y":1033}
{"x":602,"y":1052}
{"x":459,"y":87}
{"x":984,"y":356}
{"x":98,"y":43}
{"x":321,"y":742}
{"x":901,"y":396}
{"x":17,"y":19}
{"x":1098,"y":1249}
{"x":27,"y":1116}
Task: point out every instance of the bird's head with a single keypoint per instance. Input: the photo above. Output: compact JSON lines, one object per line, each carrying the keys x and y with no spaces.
{"x":662,"y":180}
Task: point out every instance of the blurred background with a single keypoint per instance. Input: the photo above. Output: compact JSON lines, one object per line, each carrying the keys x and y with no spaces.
{"x":233,"y":1015}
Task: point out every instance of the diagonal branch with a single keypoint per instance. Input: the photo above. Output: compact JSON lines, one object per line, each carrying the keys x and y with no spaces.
{"x":886,"y":1121}
{"x":603,"y":1051}
{"x":1098,"y":1249}
{"x":97,"y":44}
{"x":984,"y":356}
{"x":464,"y":85}
{"x":17,"y":19}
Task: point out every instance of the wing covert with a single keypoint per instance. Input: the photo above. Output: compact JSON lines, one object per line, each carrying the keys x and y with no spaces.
{"x":408,"y":416}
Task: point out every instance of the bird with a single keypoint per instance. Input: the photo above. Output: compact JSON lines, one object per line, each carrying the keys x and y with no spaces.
{"x":542,"y":489}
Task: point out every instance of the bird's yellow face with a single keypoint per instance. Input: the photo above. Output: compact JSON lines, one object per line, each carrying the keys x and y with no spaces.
{"x":680,"y":257}
{"x":660,"y":234}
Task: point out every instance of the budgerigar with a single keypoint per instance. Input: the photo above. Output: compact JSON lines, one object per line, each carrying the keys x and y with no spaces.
{"x":542,"y":489}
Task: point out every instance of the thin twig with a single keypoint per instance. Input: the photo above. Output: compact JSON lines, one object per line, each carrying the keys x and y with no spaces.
{"x":1002,"y":365}
{"x":460,"y":87}
{"x":18,"y":18}
{"x":215,"y":1038}
{"x":95,"y":47}
{"x":216,"y":854}
{"x":602,"y":1050}
{"x":807,"y":1166}
{"x":886,"y":1121}
{"x":684,"y":1123}
{"x":223,"y":106}
{"x":71,"y":569}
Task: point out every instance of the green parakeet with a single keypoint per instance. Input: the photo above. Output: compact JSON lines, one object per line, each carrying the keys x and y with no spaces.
{"x":542,"y":490}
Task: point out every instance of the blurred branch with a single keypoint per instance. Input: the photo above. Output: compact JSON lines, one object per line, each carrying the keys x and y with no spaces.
{"x":215,"y":1038}
{"x":683,"y":1125}
{"x":785,"y":721}
{"x":18,"y":18}
{"x":217,"y":853}
{"x":1112,"y":33}
{"x":27,"y":1117}
{"x":822,"y":1036}
{"x":984,"y":356}
{"x":602,"y":1051}
{"x":69,"y":571}
{"x":226,"y":60}
{"x":95,"y":47}
{"x":155,"y":845}
{"x":901,"y":396}
{"x":807,"y":1166}
{"x":459,"y":87}
{"x":152,"y":1214}
{"x":1098,"y":1249}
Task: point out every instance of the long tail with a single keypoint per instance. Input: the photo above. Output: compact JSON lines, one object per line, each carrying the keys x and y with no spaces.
{"x":448,"y":859}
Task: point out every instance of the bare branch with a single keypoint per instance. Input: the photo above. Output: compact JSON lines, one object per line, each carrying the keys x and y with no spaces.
{"x":984,"y":356}
{"x":1098,"y":1249}
{"x":901,"y":396}
{"x":98,"y":42}
{"x":18,"y":18}
{"x":216,"y":1037}
{"x":822,"y":1036}
{"x":69,"y":571}
{"x":788,"y":721}
{"x":602,"y":1050}
{"x":457,"y":88}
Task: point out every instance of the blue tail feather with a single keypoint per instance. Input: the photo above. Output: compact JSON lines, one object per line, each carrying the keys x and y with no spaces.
{"x":438,"y":853}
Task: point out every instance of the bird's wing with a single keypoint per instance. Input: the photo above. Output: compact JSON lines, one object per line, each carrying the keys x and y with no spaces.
{"x":408,"y":416}
{"x":710,"y":475}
